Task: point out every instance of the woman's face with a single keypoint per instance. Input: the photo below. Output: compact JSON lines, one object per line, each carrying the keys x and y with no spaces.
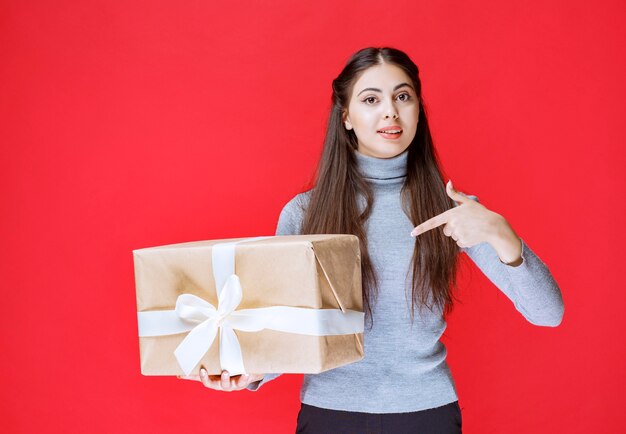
{"x":383,"y":97}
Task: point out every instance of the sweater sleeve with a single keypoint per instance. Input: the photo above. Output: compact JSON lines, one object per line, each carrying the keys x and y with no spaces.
{"x":289,"y":223}
{"x":530,"y":285}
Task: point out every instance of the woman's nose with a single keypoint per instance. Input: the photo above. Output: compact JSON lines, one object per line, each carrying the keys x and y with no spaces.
{"x":390,"y":111}
{"x":394,"y":115}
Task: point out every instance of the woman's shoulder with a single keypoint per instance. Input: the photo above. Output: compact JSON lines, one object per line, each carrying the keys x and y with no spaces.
{"x":290,"y":219}
{"x":299,"y":201}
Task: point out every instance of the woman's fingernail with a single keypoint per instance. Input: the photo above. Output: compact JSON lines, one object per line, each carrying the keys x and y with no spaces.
{"x":203,"y":372}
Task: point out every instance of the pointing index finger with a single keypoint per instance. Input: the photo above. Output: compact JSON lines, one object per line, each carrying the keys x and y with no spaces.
{"x":432,"y":223}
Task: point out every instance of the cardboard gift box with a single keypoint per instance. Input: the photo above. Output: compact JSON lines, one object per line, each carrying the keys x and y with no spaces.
{"x":279,"y":304}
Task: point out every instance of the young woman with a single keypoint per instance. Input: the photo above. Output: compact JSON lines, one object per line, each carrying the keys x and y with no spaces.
{"x":379,"y":178}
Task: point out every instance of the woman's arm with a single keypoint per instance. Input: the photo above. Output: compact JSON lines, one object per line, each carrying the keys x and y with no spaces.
{"x":501,"y":255}
{"x":522,"y":277}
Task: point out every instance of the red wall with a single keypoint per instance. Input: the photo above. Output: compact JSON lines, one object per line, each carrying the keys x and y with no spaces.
{"x":134,"y":124}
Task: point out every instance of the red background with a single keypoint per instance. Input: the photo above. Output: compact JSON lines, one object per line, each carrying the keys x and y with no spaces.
{"x":135,"y":124}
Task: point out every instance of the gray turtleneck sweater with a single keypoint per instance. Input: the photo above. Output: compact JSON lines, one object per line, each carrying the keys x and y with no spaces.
{"x":404,"y":368}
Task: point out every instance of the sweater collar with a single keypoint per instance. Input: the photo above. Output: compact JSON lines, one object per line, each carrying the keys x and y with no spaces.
{"x":382,"y":168}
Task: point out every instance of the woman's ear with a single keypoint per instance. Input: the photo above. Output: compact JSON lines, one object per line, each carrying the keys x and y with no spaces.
{"x":346,"y":121}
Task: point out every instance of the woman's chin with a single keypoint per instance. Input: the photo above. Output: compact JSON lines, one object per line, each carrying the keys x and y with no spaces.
{"x":388,"y":150}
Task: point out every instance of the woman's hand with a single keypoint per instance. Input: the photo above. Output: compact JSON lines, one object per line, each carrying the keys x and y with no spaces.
{"x":224,"y":382}
{"x":471,"y":223}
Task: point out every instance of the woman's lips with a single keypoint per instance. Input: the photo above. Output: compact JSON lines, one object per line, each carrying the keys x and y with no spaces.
{"x":389,"y":135}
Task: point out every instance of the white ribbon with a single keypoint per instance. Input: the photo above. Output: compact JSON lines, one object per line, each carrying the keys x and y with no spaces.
{"x":202,"y":320}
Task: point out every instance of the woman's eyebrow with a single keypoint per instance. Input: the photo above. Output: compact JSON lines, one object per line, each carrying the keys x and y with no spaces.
{"x":378,"y":90}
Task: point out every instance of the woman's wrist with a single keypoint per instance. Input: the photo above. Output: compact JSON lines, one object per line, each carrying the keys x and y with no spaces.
{"x":506,"y":243}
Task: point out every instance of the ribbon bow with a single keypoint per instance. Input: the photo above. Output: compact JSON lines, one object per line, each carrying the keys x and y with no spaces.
{"x":194,"y":309}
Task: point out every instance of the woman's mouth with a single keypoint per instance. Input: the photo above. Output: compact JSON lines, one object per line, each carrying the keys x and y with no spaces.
{"x":389,"y":133}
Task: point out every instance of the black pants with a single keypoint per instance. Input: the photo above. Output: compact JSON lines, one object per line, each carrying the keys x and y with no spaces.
{"x":440,"y":420}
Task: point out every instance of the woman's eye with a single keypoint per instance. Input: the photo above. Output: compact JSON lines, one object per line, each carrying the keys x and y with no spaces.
{"x":371,"y":99}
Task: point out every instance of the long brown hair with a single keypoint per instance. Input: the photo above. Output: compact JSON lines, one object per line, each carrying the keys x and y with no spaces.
{"x":333,"y":203}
